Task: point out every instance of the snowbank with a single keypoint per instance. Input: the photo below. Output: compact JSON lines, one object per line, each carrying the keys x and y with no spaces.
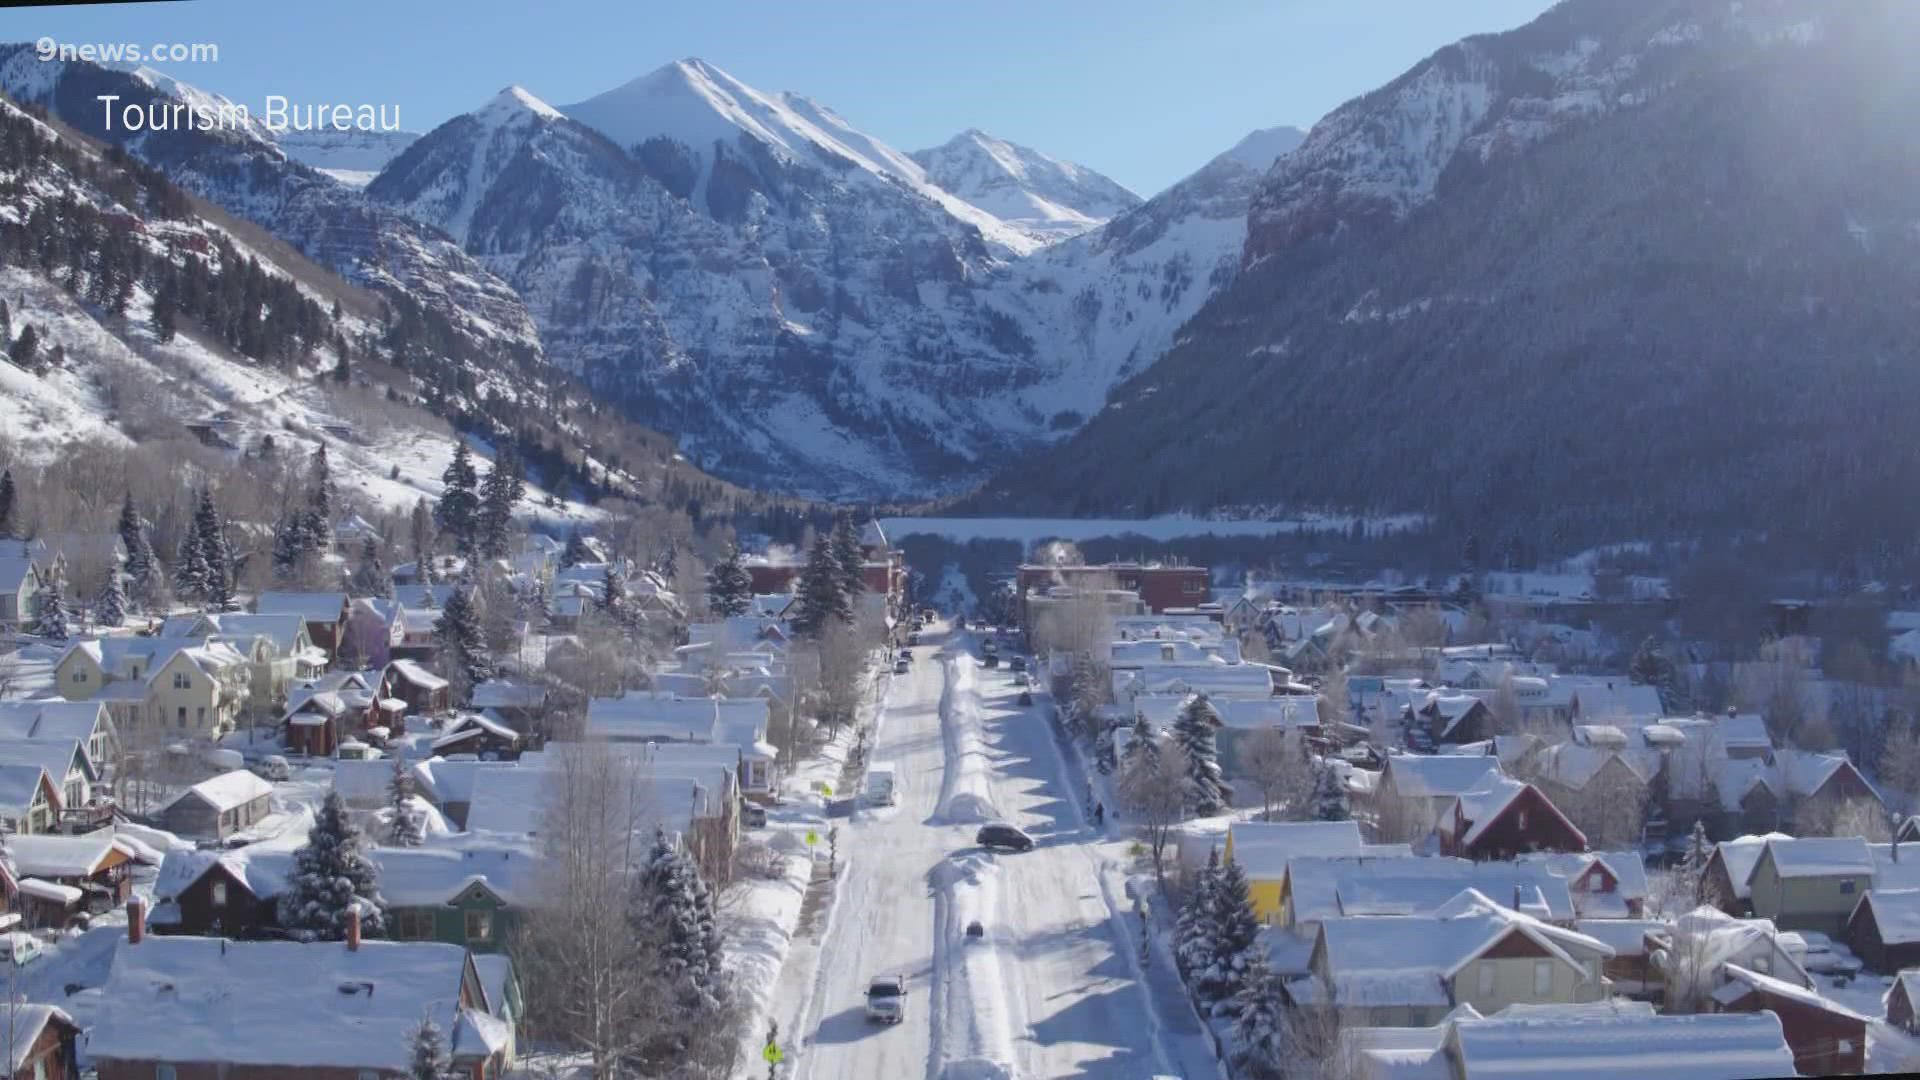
{"x":965,"y":791}
{"x":971,"y":1027}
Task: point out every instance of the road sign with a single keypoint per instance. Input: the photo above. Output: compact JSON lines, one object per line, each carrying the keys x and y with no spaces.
{"x":773,"y":1055}
{"x":812,"y":837}
{"x":827,"y":790}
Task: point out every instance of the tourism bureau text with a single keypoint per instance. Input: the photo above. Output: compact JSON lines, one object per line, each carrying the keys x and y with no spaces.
{"x":280,"y":115}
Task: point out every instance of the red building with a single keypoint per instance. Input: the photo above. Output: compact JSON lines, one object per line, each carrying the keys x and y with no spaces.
{"x":1159,"y":587}
{"x":1505,"y":819}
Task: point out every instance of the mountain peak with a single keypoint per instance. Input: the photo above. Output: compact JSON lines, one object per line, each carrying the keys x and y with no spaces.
{"x":1261,"y":148}
{"x":1045,"y":197}
{"x":516,"y":99}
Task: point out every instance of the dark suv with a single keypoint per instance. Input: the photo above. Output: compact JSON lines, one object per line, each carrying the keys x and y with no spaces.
{"x":1005,"y":836}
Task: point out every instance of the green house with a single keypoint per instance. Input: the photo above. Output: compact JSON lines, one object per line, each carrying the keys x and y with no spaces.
{"x":473,"y":897}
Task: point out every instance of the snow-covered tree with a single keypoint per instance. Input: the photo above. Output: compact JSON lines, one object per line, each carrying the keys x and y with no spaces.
{"x":1329,"y":800}
{"x":1260,"y":1022}
{"x":6,"y":500}
{"x":204,"y":571}
{"x":613,"y":593}
{"x":318,"y":518}
{"x":729,"y":586}
{"x":821,"y":600}
{"x":576,"y":551}
{"x":1194,"y":732}
{"x":1236,"y":932}
{"x":1690,"y":877}
{"x":292,"y":548}
{"x":50,"y":609}
{"x":427,"y":1060}
{"x":331,"y":876}
{"x":502,"y":489}
{"x":1142,"y":745}
{"x":1194,"y":930}
{"x":459,"y":507}
{"x":1651,"y":667}
{"x":371,"y":577}
{"x":404,"y":828}
{"x":676,"y":906}
{"x":420,"y":530}
{"x":1104,"y":757}
{"x":146,"y":586}
{"x":110,"y":608}
{"x":844,"y":542}
{"x":463,"y":648}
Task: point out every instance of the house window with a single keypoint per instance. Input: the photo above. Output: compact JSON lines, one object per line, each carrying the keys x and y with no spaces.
{"x":182,"y":718}
{"x":1542,"y":978}
{"x":413,"y":925}
{"x":79,"y":676}
{"x":181,"y":682}
{"x":1846,"y":886}
{"x":1763,"y":964}
{"x":218,"y":896}
{"x":1486,"y":978}
{"x":479,"y":926}
{"x":1523,"y":819}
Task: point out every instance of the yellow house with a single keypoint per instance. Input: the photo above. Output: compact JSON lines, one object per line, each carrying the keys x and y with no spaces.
{"x":1262,"y":849}
{"x":199,"y":691}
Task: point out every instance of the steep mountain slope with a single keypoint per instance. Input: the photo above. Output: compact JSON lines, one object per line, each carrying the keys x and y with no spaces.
{"x":1634,"y":269}
{"x":245,"y":171}
{"x":352,"y":157}
{"x":1044,"y":197}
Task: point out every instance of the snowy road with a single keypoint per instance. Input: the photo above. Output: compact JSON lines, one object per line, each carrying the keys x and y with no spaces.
{"x":1051,"y":992}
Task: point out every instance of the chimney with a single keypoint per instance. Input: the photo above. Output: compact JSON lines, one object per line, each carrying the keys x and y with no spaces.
{"x":353,"y":928}
{"x":136,"y":920}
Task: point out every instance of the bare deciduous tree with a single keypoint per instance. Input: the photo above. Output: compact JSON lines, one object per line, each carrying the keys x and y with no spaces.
{"x":1276,"y":762}
{"x":1153,"y":791}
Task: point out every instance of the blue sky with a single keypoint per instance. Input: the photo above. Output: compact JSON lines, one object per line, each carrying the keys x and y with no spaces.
{"x":1142,"y":91}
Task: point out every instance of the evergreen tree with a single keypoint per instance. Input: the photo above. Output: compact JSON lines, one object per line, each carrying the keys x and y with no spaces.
{"x":428,"y":1057}
{"x":25,"y":351}
{"x":6,"y":504}
{"x":319,"y":513}
{"x":331,"y":875}
{"x":292,"y":545}
{"x":50,"y":609}
{"x":613,"y":594}
{"x":1692,"y":871}
{"x":499,"y":493}
{"x":111,"y":607}
{"x":463,"y":647}
{"x":371,"y":578}
{"x":165,"y":313}
{"x":1194,"y":931}
{"x":459,"y":508}
{"x":1143,"y":749}
{"x":218,"y":587}
{"x":404,"y":828}
{"x":1651,"y":667}
{"x":1236,"y":934}
{"x":676,"y":905}
{"x":1260,"y":1023}
{"x":845,"y":544}
{"x":145,"y":584}
{"x":576,"y":551}
{"x":421,"y":527}
{"x":1329,"y":799}
{"x":729,"y":586}
{"x":821,"y":600}
{"x":190,"y":569}
{"x":1194,"y":733}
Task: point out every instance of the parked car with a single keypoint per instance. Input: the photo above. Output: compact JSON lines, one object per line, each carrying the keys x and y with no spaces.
{"x":1018,"y":663}
{"x":754,"y":815}
{"x":887,"y":998}
{"x":17,"y":947}
{"x":913,"y":638}
{"x":1001,"y":835}
{"x":273,"y":767}
{"x":901,"y":667}
{"x":975,"y":930}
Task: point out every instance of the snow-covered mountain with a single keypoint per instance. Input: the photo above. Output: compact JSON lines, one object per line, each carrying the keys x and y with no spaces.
{"x":352,"y":157}
{"x":1042,"y":196}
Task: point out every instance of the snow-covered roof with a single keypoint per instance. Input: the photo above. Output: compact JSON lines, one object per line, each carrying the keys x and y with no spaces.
{"x":50,"y":855}
{"x":470,"y":726}
{"x":1740,"y":854}
{"x":1263,"y":848}
{"x":274,"y":1003}
{"x":228,"y":791}
{"x":20,"y":784}
{"x":1483,"y":807}
{"x":1439,"y":775}
{"x":1628,"y":868}
{"x":1626,"y":937}
{"x":665,"y":717}
{"x":52,"y":720}
{"x":49,"y":891}
{"x":263,"y":871}
{"x":426,"y":876}
{"x":506,"y":694}
{"x":1324,"y":887}
{"x":417,"y":674}
{"x":26,"y":1021}
{"x":1896,"y":912}
{"x":1799,"y":995}
{"x":1291,"y":711}
{"x":1588,"y":1045}
{"x":311,"y":606}
{"x":1820,"y":856}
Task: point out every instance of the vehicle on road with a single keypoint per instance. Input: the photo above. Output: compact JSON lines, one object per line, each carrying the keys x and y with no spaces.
{"x":990,"y":660}
{"x":754,"y":815}
{"x":1026,"y":697}
{"x":901,"y":667}
{"x":1020,"y":678}
{"x":990,"y":646}
{"x":975,"y":930}
{"x":999,"y":834}
{"x":1018,"y":663}
{"x":913,"y":638}
{"x":887,"y":998}
{"x":17,"y":947}
{"x":882,"y":787}
{"x":906,"y":654}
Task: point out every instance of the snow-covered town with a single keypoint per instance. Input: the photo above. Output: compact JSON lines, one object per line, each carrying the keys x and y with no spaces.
{"x":545,"y":541}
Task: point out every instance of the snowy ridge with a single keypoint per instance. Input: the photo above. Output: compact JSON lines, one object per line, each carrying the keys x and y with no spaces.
{"x":973,"y":1034}
{"x":1045,"y":197}
{"x":965,"y":795}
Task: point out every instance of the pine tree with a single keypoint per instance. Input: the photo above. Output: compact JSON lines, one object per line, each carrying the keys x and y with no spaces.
{"x":499,"y":493}
{"x":292,"y":544}
{"x":1143,"y":749}
{"x":613,"y":593}
{"x":209,"y":558}
{"x":845,"y":543}
{"x":111,"y":607}
{"x":50,"y":609}
{"x":165,"y":314}
{"x":404,"y":826}
{"x":729,"y":586}
{"x":677,"y":905}
{"x":576,"y":551}
{"x":1329,"y":799}
{"x":1194,"y":931}
{"x":25,"y":351}
{"x":145,"y":585}
{"x":190,"y":569}
{"x":428,"y":1057}
{"x":6,"y":504}
{"x":458,"y":511}
{"x":1651,"y":667}
{"x":821,"y":598}
{"x":331,"y":875}
{"x":371,"y":578}
{"x":1260,"y":1021}
{"x":1236,"y":934}
{"x":1193,"y":732}
{"x":463,"y":648}
{"x":319,"y":513}
{"x":421,"y":527}
{"x":1692,"y":871}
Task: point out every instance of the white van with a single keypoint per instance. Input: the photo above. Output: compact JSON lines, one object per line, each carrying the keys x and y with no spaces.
{"x":881,"y":789}
{"x":19,"y":948}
